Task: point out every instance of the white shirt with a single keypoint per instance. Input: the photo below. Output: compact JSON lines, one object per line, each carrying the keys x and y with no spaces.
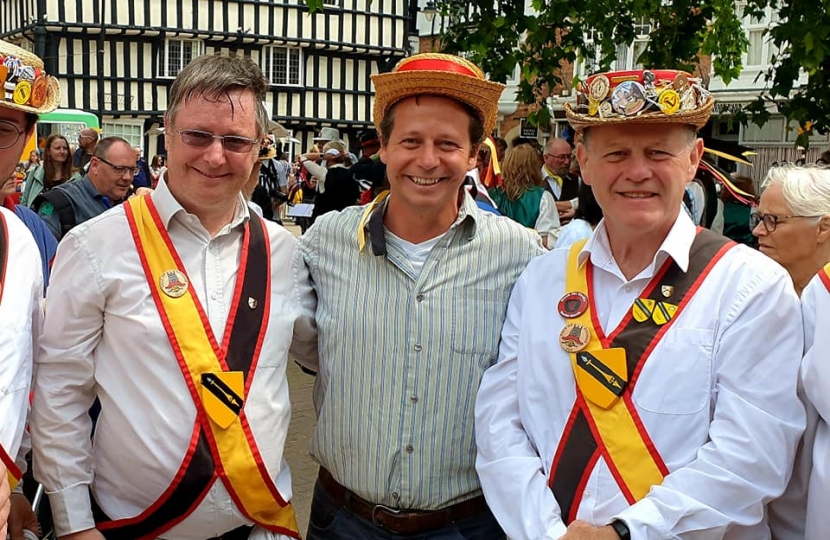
{"x":815,"y":376}
{"x":547,"y":224}
{"x":717,"y":396}
{"x":416,"y":254}
{"x":20,"y":323}
{"x":103,"y":337}
{"x":573,"y":232}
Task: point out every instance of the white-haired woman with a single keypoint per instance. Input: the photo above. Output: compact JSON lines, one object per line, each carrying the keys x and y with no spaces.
{"x":793,"y":220}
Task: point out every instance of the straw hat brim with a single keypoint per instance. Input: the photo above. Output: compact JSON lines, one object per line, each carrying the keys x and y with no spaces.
{"x":53,"y":99}
{"x":697,"y":117}
{"x":480,"y":94}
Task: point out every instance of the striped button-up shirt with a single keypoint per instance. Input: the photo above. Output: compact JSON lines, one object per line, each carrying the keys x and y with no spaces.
{"x":401,"y":356}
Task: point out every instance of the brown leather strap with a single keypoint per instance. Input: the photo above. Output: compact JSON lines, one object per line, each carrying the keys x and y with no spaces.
{"x":399,"y":521}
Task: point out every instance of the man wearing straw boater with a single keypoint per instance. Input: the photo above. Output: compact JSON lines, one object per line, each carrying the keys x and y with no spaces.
{"x":646,"y":380}
{"x":27,"y":92}
{"x":176,"y":310}
{"x":412,"y":291}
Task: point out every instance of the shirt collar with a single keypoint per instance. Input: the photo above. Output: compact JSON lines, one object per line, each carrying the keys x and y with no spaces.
{"x":676,"y":245}
{"x":546,"y":174}
{"x":168,"y":207}
{"x":373,"y":226}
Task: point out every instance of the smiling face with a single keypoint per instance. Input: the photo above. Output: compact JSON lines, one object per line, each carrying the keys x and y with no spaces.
{"x":428,"y":154}
{"x":209,"y":179}
{"x":638,"y":173}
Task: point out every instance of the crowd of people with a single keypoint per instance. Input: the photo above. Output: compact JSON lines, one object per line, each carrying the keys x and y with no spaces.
{"x":526,"y":342}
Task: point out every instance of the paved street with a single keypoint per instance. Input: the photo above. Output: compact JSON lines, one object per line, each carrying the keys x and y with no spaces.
{"x":303,"y":420}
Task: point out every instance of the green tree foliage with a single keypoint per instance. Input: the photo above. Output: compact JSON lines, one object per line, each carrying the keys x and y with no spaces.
{"x":499,"y":34}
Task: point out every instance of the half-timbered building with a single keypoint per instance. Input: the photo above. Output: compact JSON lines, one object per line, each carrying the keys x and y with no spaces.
{"x":118,"y":58}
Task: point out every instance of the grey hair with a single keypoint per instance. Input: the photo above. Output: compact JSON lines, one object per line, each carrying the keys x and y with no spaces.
{"x":691,"y":133}
{"x":214,"y":77}
{"x":805,"y":188}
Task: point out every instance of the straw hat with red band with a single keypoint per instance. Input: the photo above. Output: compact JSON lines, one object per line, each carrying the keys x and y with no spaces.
{"x":26,"y":86}
{"x":440,"y":75}
{"x":645,"y":96}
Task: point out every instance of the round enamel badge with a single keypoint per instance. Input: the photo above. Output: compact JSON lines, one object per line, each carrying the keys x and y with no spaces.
{"x":572,"y":305}
{"x":574,"y":337}
{"x":173,"y":283}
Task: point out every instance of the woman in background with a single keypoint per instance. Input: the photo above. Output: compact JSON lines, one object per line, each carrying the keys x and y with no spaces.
{"x":522,"y":197}
{"x":55,"y":170}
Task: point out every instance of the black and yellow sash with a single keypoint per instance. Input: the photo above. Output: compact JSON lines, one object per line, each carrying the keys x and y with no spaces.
{"x":12,"y":471}
{"x":604,"y":421}
{"x":218,"y":379}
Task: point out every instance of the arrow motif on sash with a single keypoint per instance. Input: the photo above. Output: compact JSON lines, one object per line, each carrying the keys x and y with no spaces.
{"x":223,"y":392}
{"x":600,"y":372}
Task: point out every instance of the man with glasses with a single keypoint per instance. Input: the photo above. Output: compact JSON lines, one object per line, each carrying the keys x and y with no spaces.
{"x":176,"y":310}
{"x":87,"y":139}
{"x":106,"y":183}
{"x":21,"y":274}
{"x":558,"y":181}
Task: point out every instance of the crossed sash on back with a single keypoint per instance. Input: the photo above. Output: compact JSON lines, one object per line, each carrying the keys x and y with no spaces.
{"x":604,"y":421}
{"x":218,"y":378}
{"x":12,"y":471}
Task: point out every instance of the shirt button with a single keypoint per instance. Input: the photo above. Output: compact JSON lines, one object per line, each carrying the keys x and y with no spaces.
{"x":418,"y":347}
{"x":420,"y":298}
{"x":413,"y":398}
{"x":409,"y":448}
{"x":214,"y":296}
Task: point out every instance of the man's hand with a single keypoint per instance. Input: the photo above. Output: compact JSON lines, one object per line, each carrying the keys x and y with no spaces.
{"x":581,"y":530}
{"x":89,"y":534}
{"x":5,"y":501}
{"x":565,"y":209}
{"x":22,"y":517}
{"x":142,"y":191}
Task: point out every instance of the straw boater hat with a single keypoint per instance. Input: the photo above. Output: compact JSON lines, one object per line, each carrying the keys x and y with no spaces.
{"x":644,"y":96}
{"x":441,"y":75}
{"x":26,"y":86}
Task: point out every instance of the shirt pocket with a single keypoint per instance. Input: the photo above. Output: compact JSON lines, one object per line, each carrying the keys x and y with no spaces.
{"x":676,"y":378}
{"x":477,"y":318}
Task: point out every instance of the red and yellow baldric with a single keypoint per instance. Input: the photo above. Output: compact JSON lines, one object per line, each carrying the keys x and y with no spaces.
{"x":824,"y":276}
{"x":604,"y":421}
{"x":12,"y":471}
{"x":218,"y":377}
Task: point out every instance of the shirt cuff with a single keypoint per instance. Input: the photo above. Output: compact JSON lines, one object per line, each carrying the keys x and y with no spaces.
{"x":71,"y":510}
{"x":643,"y":516}
{"x":556,"y":532}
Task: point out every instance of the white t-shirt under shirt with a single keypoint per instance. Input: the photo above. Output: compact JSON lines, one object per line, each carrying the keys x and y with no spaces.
{"x":416,"y":253}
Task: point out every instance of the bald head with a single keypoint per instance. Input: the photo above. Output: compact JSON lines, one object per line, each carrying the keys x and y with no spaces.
{"x":558,"y":156}
{"x":87,"y":139}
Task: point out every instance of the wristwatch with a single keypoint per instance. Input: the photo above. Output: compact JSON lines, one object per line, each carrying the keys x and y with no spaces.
{"x":621,"y":529}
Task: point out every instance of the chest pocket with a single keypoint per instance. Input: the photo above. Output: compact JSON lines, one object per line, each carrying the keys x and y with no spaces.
{"x":676,"y":379}
{"x":478,"y":315}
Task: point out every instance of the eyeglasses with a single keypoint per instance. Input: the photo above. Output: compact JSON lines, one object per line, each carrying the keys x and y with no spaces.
{"x":203,"y":139}
{"x":9,"y":134}
{"x":120,"y":169}
{"x":770,"y":221}
{"x":560,"y":157}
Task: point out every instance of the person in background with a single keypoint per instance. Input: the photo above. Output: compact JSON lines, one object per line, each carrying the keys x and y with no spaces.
{"x":33,"y":161}
{"x":369,"y":171}
{"x":522,"y":197}
{"x":87,"y":139}
{"x":587,"y":217}
{"x":46,"y":242}
{"x":792,"y":223}
{"x":736,"y":214}
{"x":557,"y":158}
{"x":55,"y":170}
{"x":143,"y":179}
{"x":337,"y":189}
{"x":157,"y":168}
{"x":501,"y":148}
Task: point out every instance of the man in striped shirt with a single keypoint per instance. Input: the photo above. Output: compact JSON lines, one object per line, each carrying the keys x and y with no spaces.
{"x":412,"y":294}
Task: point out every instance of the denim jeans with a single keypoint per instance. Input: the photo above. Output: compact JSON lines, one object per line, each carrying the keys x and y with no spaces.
{"x":330,"y":522}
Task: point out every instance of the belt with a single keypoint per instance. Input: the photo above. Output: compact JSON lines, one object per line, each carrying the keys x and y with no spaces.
{"x":395,"y":520}
{"x":240,"y":533}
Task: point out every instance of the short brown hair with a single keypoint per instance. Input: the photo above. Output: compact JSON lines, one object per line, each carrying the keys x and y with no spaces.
{"x":476,"y":124}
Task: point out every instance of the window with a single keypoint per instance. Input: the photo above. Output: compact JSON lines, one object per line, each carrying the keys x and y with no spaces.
{"x":627,"y":55}
{"x":282,"y":65}
{"x":129,"y":131}
{"x":760,"y":51}
{"x":178,"y":53}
